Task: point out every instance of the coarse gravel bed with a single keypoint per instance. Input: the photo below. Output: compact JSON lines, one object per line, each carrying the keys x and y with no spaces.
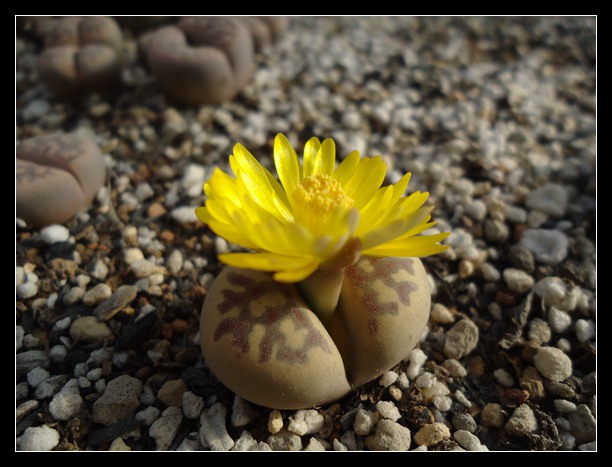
{"x":494,"y":116}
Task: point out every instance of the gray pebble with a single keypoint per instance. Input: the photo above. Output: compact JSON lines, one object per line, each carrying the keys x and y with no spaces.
{"x":522,"y":422}
{"x":88,"y":329}
{"x":119,"y":401}
{"x":496,"y":231}
{"x":492,"y":415}
{"x":564,"y":406}
{"x":364,"y":421}
{"x":192,"y":405}
{"x":19,"y":333}
{"x":548,"y":246}
{"x":515,"y":214}
{"x":389,"y":436}
{"x":98,"y":269}
{"x":550,"y":199}
{"x":184,"y":215}
{"x":21,"y":390}
{"x":36,"y":376}
{"x":582,"y":424}
{"x":116,"y":302}
{"x":50,"y":386}
{"x":489,"y":272}
{"x":585,"y":330}
{"x":62,"y":324}
{"x":66,"y":404}
{"x":568,"y":442}
{"x":521,"y":257}
{"x":27,"y":290}
{"x":477,"y":210}
{"x":74,"y":295}
{"x":592,"y":446}
{"x":284,"y":440}
{"x":148,"y":415}
{"x":30,"y":359}
{"x":464,"y":421}
{"x":39,"y":438}
{"x":460,"y":340}
{"x":97,"y":294}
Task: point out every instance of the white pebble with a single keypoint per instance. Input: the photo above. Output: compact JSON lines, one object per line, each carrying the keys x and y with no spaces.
{"x":503,"y":377}
{"x":305,"y":422}
{"x":19,"y":333}
{"x":442,"y":403}
{"x":193,"y":180}
{"x":559,"y":320}
{"x":417,"y":358}
{"x":20,"y":275}
{"x":314,"y":445}
{"x":388,"y":378}
{"x":518,"y":281}
{"x":275,"y":421}
{"x":27,"y":290}
{"x":387,"y":409}
{"x":469,"y":441}
{"x":184,"y":215}
{"x":213,"y":430}
{"x":131,"y":255}
{"x":58,"y":353}
{"x":489,"y":272}
{"x":585,"y":330}
{"x":402,"y":381}
{"x":550,"y":199}
{"x":174,"y":263}
{"x":564,"y":406}
{"x":144,"y":191}
{"x":364,"y":422}
{"x":552,"y":363}
{"x":548,"y":246}
{"x":539,"y":331}
{"x":148,"y":415}
{"x":55,"y":233}
{"x":94,"y":374}
{"x":40,"y":438}
{"x":66,"y":404}
{"x":242,"y":412}
{"x":462,"y":399}
{"x":426,"y":380}
{"x":442,"y":315}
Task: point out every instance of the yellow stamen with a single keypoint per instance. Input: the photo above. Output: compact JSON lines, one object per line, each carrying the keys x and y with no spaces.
{"x":315,"y":198}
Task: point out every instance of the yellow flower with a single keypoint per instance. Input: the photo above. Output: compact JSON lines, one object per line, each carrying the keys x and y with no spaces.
{"x":317,"y":209}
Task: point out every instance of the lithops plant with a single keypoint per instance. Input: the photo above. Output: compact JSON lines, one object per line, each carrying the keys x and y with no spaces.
{"x":200,"y":60}
{"x":332,"y":294}
{"x":56,"y":176}
{"x":81,"y":56}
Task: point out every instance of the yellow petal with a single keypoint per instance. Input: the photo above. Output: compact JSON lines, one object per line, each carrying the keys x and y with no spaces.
{"x":326,"y":158}
{"x":346,"y":168}
{"x":290,"y":268}
{"x":423,"y":245}
{"x":287,"y":165}
{"x":297,"y":274}
{"x":366,"y":180}
{"x":393,"y":229}
{"x":310,"y":153}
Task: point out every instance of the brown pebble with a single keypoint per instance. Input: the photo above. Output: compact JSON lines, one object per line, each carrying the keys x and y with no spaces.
{"x":167,"y":236}
{"x":166,"y":331}
{"x":517,"y":396}
{"x":143,"y":373}
{"x":180,"y":326}
{"x":475,"y":366}
{"x":505,"y":298}
{"x":156,"y":210}
{"x":532,"y":381}
{"x":188,"y":356}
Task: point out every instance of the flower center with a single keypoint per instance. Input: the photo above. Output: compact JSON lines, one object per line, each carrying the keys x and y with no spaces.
{"x":315,"y":198}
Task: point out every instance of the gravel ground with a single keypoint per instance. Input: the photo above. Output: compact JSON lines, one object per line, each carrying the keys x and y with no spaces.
{"x":495,"y":117}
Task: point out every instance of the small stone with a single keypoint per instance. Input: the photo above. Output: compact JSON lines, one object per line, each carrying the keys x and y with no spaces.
{"x":164,"y":429}
{"x":559,"y":321}
{"x":539,"y":331}
{"x":518,"y":281}
{"x":119,"y":445}
{"x":54,"y":233}
{"x":548,"y":246}
{"x":532,"y":381}
{"x":585,"y":330}
{"x":97,"y":294}
{"x":144,"y":268}
{"x":438,"y":388}
{"x":155,"y":210}
{"x":36,"y":376}
{"x":568,"y":442}
{"x":583,"y":425}
{"x":131,"y":255}
{"x":496,"y":231}
{"x":426,"y":380}
{"x":515,"y":214}
{"x":50,"y":386}
{"x":62,"y":324}
{"x":476,"y":209}
{"x":521,"y":258}
{"x":213,"y":430}
{"x":441,"y":315}
{"x":522,"y":422}
{"x":503,"y":377}
{"x":275,"y":421}
{"x":314,"y":445}
{"x":464,"y":421}
{"x":454,"y":368}
{"x":174,"y":263}
{"x":148,"y":415}
{"x":550,"y":199}
{"x":285,"y":440}
{"x":564,"y":406}
{"x":395,"y":392}
{"x":25,"y":408}
{"x":30,"y":359}
{"x":339,"y":446}
{"x":74,"y":295}
{"x":388,"y":378}
{"x":119,"y":401}
{"x":552,"y":363}
{"x":27,"y":290}
{"x":430,"y":434}
{"x":489,"y":272}
{"x":98,"y":270}
{"x":592,"y":446}
{"x":389,"y":436}
{"x":364,"y":422}
{"x":492,"y":415}
{"x":461,"y":339}
{"x":143,"y":191}
{"x":184,"y":215}
{"x":193,"y":179}
{"x":116,"y":302}
{"x":387,"y":409}
{"x":469,"y":441}
{"x":417,"y":358}
{"x":39,"y":438}
{"x":88,"y":329}
{"x":171,"y":393}
{"x":192,"y":405}
{"x":66,"y":404}
{"x":242,"y":412}
{"x":305,"y":422}
{"x":21,"y":390}
{"x":442,"y":403}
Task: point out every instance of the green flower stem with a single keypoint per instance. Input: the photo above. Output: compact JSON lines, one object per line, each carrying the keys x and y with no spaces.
{"x":321,"y":290}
